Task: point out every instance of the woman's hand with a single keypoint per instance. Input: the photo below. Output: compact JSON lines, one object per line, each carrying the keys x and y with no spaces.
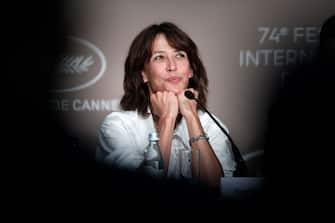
{"x":187,"y":107}
{"x":164,"y":104}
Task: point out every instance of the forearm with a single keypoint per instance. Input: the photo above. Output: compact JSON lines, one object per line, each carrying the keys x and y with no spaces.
{"x":210,"y":169}
{"x":166,"y":127}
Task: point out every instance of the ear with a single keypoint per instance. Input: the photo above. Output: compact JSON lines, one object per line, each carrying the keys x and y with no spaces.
{"x":190,"y":75}
{"x":144,"y":77}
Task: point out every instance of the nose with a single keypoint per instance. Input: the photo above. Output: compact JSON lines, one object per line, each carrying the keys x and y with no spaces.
{"x":171,"y":65}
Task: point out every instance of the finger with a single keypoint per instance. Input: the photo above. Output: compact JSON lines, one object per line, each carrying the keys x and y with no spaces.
{"x":162,"y":96}
{"x":171,"y":94}
{"x":196,"y":94}
{"x":150,"y":89}
{"x":153,"y":98}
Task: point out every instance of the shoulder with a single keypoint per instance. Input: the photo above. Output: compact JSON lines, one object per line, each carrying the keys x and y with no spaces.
{"x":124,"y":120}
{"x":121,"y":117}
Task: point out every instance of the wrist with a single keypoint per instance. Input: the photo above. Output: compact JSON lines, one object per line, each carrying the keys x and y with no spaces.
{"x":166,"y":121}
{"x":167,"y":117}
{"x":191,"y":117}
{"x":196,"y":138}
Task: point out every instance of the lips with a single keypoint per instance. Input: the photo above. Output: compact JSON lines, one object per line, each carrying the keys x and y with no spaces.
{"x":174,"y":80}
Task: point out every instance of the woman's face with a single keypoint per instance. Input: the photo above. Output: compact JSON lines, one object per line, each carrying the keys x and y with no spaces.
{"x":168,"y":69}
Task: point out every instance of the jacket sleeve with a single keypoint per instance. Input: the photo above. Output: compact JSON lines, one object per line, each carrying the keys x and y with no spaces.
{"x":221,"y":146}
{"x":117,"y":144}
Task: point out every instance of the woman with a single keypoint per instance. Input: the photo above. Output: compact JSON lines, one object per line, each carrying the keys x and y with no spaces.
{"x":161,"y":64}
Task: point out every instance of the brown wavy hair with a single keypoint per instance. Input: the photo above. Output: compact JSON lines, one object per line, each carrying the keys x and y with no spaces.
{"x":136,"y":93}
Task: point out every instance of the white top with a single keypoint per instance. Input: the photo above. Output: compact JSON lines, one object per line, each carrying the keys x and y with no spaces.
{"x":124,"y":135}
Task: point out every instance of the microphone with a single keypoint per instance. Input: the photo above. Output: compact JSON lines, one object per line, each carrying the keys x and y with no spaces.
{"x":241,"y":169}
{"x":189,"y":94}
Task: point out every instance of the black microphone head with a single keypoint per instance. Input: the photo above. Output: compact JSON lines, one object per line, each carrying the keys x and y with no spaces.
{"x":189,"y":94}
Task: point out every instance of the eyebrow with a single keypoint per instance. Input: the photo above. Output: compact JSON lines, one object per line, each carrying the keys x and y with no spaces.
{"x":158,"y":51}
{"x":162,"y":51}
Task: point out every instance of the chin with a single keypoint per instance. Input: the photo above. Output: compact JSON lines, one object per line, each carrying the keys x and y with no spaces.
{"x":175,"y":91}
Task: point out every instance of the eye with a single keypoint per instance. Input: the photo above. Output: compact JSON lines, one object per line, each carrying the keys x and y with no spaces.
{"x":181,"y":55}
{"x":158,"y":57}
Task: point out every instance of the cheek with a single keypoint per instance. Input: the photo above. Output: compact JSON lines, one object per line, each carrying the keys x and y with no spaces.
{"x":186,"y":82}
{"x":157,"y":71}
{"x":185,"y":68}
{"x":187,"y":73}
{"x":156,"y":79}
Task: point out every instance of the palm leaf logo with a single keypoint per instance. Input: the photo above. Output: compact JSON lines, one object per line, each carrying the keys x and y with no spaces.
{"x":76,"y":64}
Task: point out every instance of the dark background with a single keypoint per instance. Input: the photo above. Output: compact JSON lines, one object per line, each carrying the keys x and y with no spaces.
{"x":42,"y":165}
